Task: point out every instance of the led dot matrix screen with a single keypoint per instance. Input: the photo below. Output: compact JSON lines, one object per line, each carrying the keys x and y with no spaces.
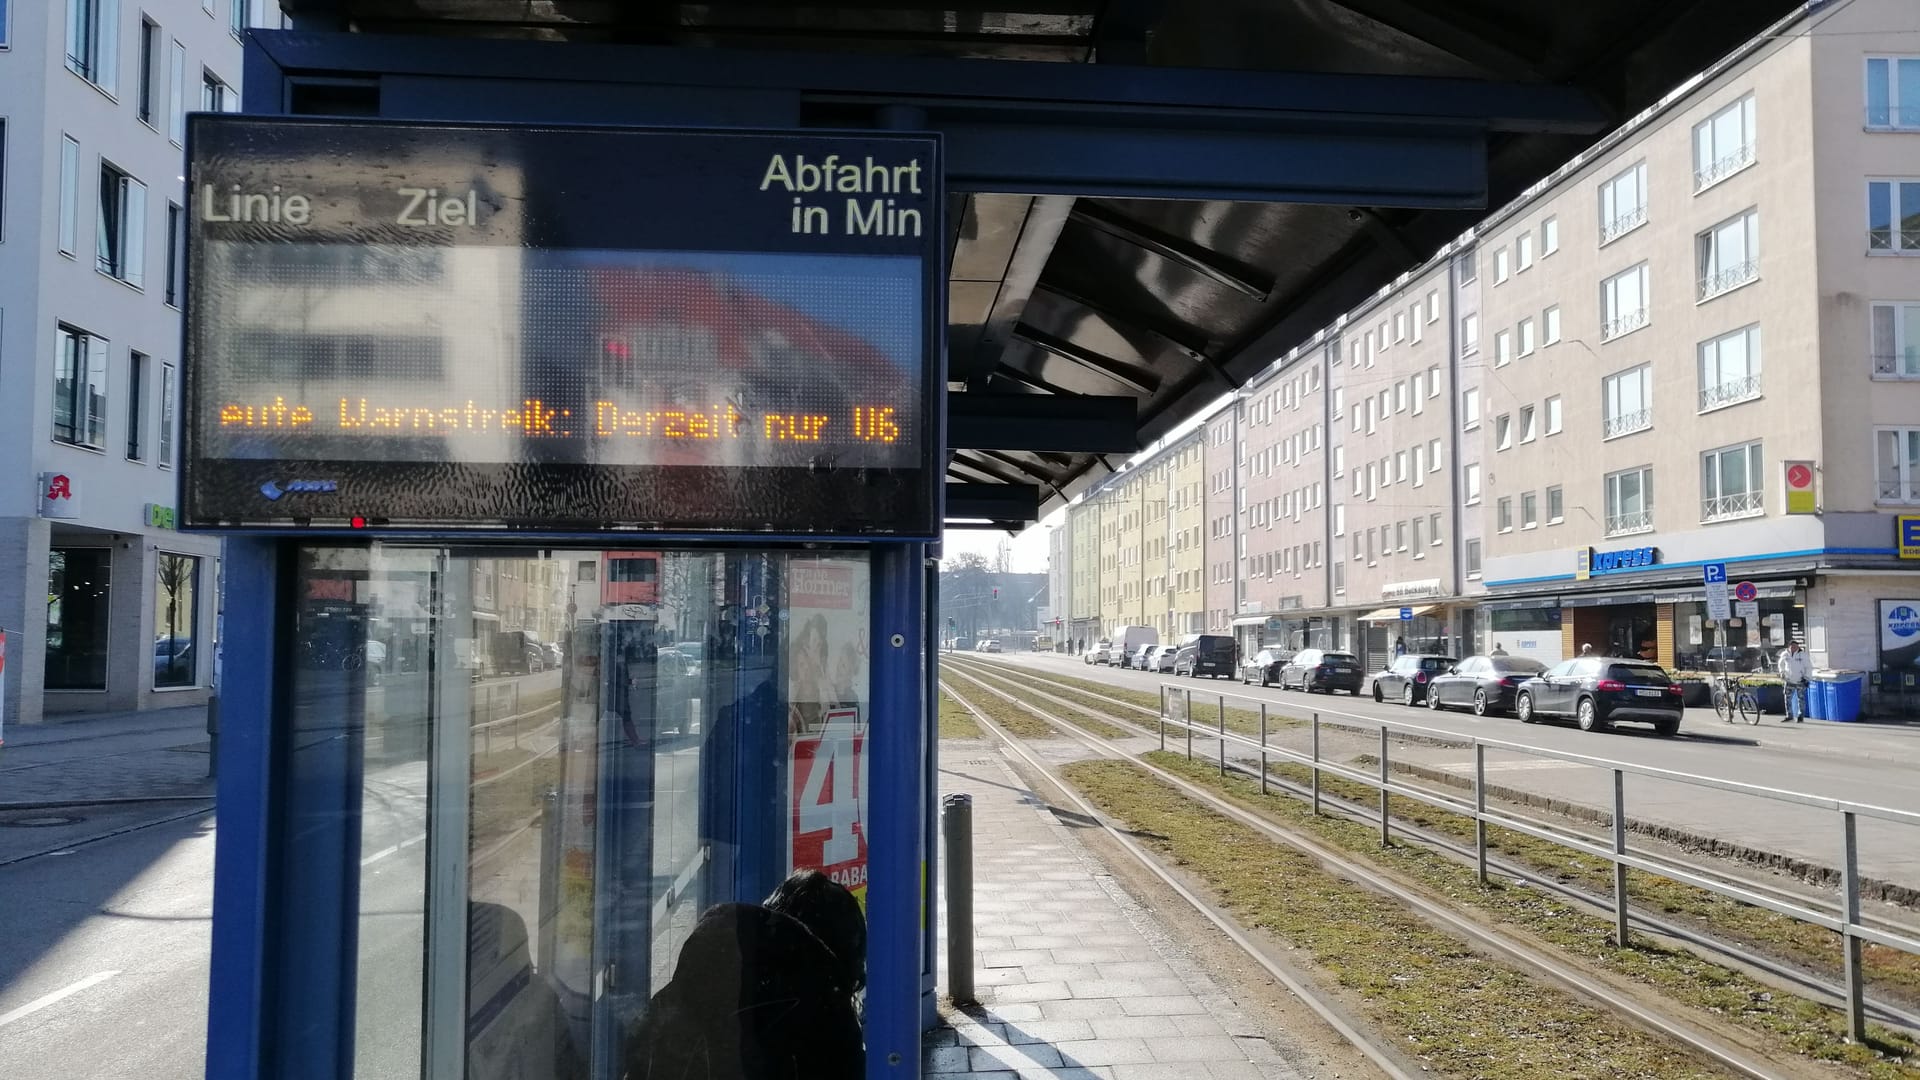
{"x":396,"y":325}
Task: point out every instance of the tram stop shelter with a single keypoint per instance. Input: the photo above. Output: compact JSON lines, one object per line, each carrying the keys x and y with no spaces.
{"x":615,"y":366}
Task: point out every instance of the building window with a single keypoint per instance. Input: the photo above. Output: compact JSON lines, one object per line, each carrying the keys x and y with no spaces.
{"x":1549,"y":236}
{"x":176,"y":609}
{"x":1469,"y":409}
{"x":1503,"y":348}
{"x":149,"y":100}
{"x":1897,"y":464}
{"x":1433,"y":305}
{"x":1339,"y":577}
{"x":93,"y":40}
{"x":1340,"y":520}
{"x":1500,"y":265}
{"x":1730,"y":483}
{"x":1730,"y":368}
{"x":1400,"y":397}
{"x":1503,"y":514}
{"x":1523,"y":252}
{"x":1896,"y":340}
{"x":1433,"y":529}
{"x":1400,"y":536}
{"x":121,"y":229}
{"x":236,"y":16}
{"x":1528,"y":430}
{"x":1415,"y":322}
{"x":176,"y":252}
{"x":79,"y":586}
{"x":1623,"y":303}
{"x":1623,"y":203}
{"x":1627,"y":398}
{"x":1727,"y":256}
{"x":1469,"y":335}
{"x":1556,"y":505}
{"x":164,"y":453}
{"x":136,"y":403}
{"x":1418,"y":399}
{"x":1473,"y":558}
{"x":1893,"y":92}
{"x":1433,"y":381}
{"x":1502,"y":431}
{"x":1526,"y":336}
{"x":1400,"y":467}
{"x":1472,"y":484}
{"x":1469,"y":269}
{"x":1630,"y":501}
{"x":215,"y":95}
{"x":1419,"y":466}
{"x":69,"y":193}
{"x":1893,"y":215}
{"x":1723,"y":143}
{"x":1550,"y":325}
{"x":80,"y":389}
{"x":1433,"y":456}
{"x":177,"y":92}
{"x":1399,"y":326}
{"x":1529,"y":510}
{"x":1553,"y":415}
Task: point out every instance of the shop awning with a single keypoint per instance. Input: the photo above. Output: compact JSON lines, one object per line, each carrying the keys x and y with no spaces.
{"x":1250,"y":620}
{"x":1392,"y":614}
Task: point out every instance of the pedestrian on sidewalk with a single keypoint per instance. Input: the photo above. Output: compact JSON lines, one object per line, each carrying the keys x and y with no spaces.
{"x":1498,"y":649}
{"x":1586,"y":650}
{"x":1794,"y":672}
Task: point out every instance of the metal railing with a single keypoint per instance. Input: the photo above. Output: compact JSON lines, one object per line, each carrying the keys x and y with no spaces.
{"x":1728,"y":277}
{"x":1717,"y":171}
{"x":1626,"y":423}
{"x":1730,"y":392}
{"x":1847,"y":922}
{"x":1625,"y":524}
{"x":1897,"y":364}
{"x":1727,"y":507}
{"x":1624,"y":324}
{"x":1883,"y":239}
{"x":1900,"y":491}
{"x":1893,"y":117}
{"x":1623,"y":224}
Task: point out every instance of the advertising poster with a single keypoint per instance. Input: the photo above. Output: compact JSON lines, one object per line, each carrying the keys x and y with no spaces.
{"x":1899,"y":639}
{"x":827,"y":626}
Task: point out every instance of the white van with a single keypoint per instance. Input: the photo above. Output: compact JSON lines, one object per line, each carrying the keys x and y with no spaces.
{"x":1127,"y":641}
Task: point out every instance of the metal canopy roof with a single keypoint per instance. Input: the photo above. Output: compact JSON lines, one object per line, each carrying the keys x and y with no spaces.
{"x":1083,"y":326}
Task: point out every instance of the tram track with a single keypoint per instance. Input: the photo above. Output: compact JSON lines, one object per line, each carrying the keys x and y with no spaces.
{"x":1622,"y":997}
{"x":1788,"y":976}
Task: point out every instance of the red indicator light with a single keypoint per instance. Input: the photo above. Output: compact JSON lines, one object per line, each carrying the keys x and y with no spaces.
{"x":357,"y":522}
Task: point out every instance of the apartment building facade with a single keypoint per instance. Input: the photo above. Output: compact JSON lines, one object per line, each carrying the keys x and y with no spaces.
{"x":105,"y":605}
{"x":1697,"y":343}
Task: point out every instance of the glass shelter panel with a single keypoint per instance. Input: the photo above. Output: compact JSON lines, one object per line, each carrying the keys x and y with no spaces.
{"x":547,"y":765}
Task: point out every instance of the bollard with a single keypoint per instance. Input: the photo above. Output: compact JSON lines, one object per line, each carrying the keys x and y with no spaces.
{"x":1263,"y":748}
{"x":1620,"y":931}
{"x":1316,"y":764}
{"x":1189,"y":725}
{"x":1855,"y":983}
{"x":1479,"y":808}
{"x":213,"y":736}
{"x":1386,"y":780}
{"x":1223,"y":734}
{"x":956,"y":825}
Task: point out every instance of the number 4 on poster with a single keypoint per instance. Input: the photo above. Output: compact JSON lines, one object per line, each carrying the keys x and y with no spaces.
{"x":829,"y":782}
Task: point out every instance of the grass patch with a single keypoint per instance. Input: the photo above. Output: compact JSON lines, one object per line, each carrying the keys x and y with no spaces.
{"x":1072,"y":715}
{"x":1456,"y":1011}
{"x":956,"y":722}
{"x":1240,"y":720}
{"x":1788,"y":1023}
{"x":1018,"y":721}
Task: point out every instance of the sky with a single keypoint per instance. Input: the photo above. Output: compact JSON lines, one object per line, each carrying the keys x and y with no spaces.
{"x":1029,"y":552}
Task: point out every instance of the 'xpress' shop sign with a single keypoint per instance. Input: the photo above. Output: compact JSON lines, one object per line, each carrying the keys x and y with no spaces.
{"x":1593,"y":563}
{"x":1899,"y":635}
{"x":468,"y":326}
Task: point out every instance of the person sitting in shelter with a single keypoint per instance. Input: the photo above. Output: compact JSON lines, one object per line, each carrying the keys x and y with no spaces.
{"x":759,"y":994}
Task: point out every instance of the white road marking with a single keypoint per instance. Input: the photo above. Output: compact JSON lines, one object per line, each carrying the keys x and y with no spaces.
{"x":392,"y":850}
{"x":57,"y":996}
{"x":1512,"y":766}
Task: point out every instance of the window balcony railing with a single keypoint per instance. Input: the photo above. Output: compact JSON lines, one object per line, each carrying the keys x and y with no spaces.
{"x":1638,"y":521}
{"x":1623,"y":224}
{"x":1730,"y":277}
{"x":1896,"y":491}
{"x":1730,"y":392}
{"x":1626,"y":423}
{"x":1883,"y":239}
{"x":1717,"y":171}
{"x":1897,"y":365}
{"x":1893,"y":117}
{"x":1625,"y":324}
{"x":1727,"y":507}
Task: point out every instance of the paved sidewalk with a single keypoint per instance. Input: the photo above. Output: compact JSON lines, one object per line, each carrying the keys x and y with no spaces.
{"x":106,"y":756}
{"x":1076,"y":980}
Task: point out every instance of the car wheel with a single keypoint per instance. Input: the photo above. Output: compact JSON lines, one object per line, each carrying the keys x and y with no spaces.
{"x":1667,"y":728}
{"x":1433,"y":700}
{"x":1377,"y":696}
{"x":1588,"y":715}
{"x":1480,"y":707}
{"x":1406,"y":696}
{"x":1523,"y":708}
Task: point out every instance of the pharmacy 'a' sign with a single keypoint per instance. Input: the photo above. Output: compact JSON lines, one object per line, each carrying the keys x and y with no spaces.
{"x":827,"y":820}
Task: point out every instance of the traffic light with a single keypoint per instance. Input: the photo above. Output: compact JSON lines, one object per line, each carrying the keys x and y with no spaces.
{"x":996,"y":592}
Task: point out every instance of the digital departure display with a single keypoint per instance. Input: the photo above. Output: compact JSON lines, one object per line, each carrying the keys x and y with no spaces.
{"x":411,"y":326}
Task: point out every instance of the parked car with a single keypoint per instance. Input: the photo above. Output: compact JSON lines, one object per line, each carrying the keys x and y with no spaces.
{"x":1597,"y":691}
{"x":1486,"y":684}
{"x":1206,"y":654}
{"x":1264,"y":666}
{"x":991,"y":645}
{"x":554,"y":655}
{"x":1127,"y":641}
{"x":1319,"y":669}
{"x":1405,"y":680}
{"x":1138,"y":661}
{"x":1163,"y":659}
{"x":173,"y":661}
{"x":1097,"y":654}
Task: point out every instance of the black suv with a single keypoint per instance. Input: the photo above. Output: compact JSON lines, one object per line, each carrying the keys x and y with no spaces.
{"x":1596,"y":691}
{"x":1405,"y":680}
{"x":1320,"y":669}
{"x":1206,"y":654}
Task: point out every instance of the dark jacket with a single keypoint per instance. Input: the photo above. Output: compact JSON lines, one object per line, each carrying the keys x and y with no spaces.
{"x":754,"y":996}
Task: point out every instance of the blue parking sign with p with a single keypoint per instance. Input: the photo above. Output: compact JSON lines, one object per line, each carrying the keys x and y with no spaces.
{"x":1714,"y":573}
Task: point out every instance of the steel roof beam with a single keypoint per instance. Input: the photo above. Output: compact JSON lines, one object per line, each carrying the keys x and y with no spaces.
{"x":1119,"y":371}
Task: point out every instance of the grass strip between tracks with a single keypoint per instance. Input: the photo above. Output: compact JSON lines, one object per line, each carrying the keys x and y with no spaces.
{"x":1436,"y":999}
{"x":1786,"y":1022}
{"x":1088,"y":693}
{"x":956,"y":722}
{"x":1015,"y":719}
{"x":1065,"y":712}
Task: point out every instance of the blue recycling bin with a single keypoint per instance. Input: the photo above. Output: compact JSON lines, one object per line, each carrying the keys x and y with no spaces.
{"x":1843,"y":696}
{"x":1819,"y":700}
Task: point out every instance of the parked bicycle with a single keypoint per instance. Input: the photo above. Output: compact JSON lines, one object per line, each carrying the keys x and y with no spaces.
{"x":1733,"y":696}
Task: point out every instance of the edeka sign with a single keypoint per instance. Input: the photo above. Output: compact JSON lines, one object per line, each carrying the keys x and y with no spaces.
{"x":1906,"y":535}
{"x":1591,"y":563}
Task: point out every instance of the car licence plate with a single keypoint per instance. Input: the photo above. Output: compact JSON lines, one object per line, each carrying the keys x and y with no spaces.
{"x":1649,"y":693}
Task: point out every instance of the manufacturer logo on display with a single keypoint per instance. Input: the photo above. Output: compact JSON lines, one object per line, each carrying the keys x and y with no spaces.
{"x":275,"y":491}
{"x":1903,"y":620}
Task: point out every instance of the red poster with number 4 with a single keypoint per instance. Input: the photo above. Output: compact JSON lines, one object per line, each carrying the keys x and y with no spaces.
{"x":827,"y":824}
